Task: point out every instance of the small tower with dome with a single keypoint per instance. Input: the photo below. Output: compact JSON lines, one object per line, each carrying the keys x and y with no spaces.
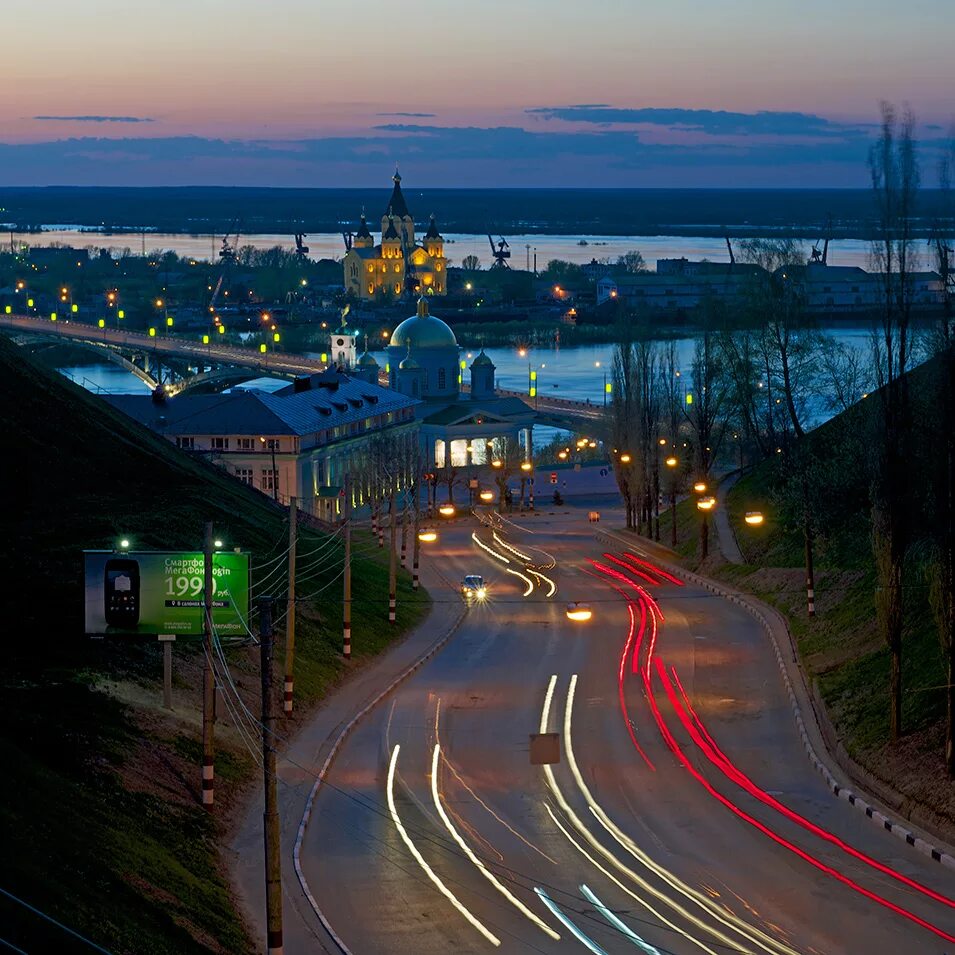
{"x":343,"y":346}
{"x":367,"y":368}
{"x":429,"y":342}
{"x":482,"y":377}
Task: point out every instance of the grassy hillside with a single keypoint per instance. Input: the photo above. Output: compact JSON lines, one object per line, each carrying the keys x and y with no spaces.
{"x":100,"y":815}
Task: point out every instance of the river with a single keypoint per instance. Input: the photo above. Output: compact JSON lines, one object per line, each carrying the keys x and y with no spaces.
{"x":523,"y":247}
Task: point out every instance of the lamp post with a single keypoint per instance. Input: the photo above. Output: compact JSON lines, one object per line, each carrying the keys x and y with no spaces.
{"x":704,"y":505}
{"x":672,"y":462}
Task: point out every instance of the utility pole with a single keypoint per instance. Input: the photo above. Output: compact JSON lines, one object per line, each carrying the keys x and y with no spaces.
{"x":404,"y":530}
{"x":346,"y":598}
{"x":167,"y":641}
{"x":270,"y":817}
{"x":208,"y":677}
{"x":290,"y":616}
{"x":416,"y":544}
{"x":392,"y":559}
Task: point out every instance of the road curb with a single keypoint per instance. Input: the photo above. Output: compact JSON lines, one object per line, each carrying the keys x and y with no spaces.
{"x":755,"y":610}
{"x":326,"y":766}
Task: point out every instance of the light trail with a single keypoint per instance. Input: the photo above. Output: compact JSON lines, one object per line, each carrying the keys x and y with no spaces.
{"x":576,"y":932}
{"x":729,"y":920}
{"x":481,"y":867}
{"x":540,"y":576}
{"x":653,"y":567}
{"x":428,"y":871}
{"x":731,"y":771}
{"x":510,"y":548}
{"x":633,"y":570}
{"x":736,"y":810}
{"x":548,"y":697}
{"x":484,"y":546}
{"x":617,"y":923}
{"x":527,"y":580}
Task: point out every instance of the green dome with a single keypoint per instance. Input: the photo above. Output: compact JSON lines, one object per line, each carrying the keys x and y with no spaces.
{"x":482,"y":359}
{"x":368,"y":360}
{"x":407,"y":364}
{"x":423,"y":331}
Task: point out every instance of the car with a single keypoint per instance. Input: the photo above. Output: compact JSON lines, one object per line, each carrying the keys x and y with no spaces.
{"x":473,"y":587}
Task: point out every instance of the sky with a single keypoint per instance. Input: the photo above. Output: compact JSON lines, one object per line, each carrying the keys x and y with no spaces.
{"x":675,"y":93}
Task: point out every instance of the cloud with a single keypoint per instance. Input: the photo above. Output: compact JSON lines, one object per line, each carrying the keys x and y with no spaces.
{"x":708,"y":121}
{"x":95,"y":119}
{"x":410,"y":115}
{"x":447,"y":156}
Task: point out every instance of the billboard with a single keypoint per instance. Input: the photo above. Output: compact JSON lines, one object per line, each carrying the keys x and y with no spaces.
{"x":153,"y":592}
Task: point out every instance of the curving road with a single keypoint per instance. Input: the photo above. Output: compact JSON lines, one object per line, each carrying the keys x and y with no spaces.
{"x":651,"y":834}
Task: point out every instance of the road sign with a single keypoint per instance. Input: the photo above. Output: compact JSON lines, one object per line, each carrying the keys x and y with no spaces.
{"x":545,"y":749}
{"x":553,"y":477}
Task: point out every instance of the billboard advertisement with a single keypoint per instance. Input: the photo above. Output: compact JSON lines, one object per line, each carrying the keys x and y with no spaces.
{"x":153,"y":592}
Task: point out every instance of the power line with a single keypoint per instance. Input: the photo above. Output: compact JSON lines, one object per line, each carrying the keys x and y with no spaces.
{"x":53,"y":921}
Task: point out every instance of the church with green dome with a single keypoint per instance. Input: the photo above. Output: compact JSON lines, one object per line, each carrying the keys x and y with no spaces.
{"x":457,"y":418}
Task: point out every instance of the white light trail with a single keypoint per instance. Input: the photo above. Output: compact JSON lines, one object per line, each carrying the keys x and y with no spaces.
{"x":527,"y":580}
{"x":576,"y":932}
{"x":617,"y":923}
{"x":428,"y":871}
{"x":466,"y":849}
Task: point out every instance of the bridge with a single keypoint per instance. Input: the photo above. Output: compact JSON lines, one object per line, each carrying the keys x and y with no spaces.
{"x":178,"y":364}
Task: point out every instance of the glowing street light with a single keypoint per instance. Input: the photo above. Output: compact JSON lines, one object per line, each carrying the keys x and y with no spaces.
{"x":446,"y":510}
{"x":672,"y":462}
{"x":706,"y":503}
{"x":562,"y":455}
{"x":217,"y":544}
{"x":124,"y":543}
{"x":428,"y":535}
{"x":700,"y":487}
{"x":754,"y":518}
{"x":486,"y":496}
{"x":625,"y":459}
{"x":526,"y":466}
{"x":497,"y":463}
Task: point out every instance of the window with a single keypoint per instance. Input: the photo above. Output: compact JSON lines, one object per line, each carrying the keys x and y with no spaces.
{"x":274,"y":444}
{"x":188,"y":444}
{"x":442,"y":379}
{"x":243,"y":444}
{"x":220,"y":444}
{"x":270,"y":480}
{"x":371,"y":268}
{"x":397,"y":267}
{"x":244,"y":475}
{"x":397,"y":288}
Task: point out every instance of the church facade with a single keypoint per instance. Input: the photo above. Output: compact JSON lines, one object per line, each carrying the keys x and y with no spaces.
{"x":399,"y":263}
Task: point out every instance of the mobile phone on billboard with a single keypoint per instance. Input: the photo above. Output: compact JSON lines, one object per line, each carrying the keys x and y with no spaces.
{"x":121,"y":593}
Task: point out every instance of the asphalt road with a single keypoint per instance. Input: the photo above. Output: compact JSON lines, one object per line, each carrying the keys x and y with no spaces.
{"x":621,"y":842}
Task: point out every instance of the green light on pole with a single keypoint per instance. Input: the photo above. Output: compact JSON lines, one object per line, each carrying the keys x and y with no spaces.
{"x":52,"y":316}
{"x":222,"y":329}
{"x":325,"y":357}
{"x":608,"y":388}
{"x":169,"y":321}
{"x":29,"y":303}
{"x":263,"y":348}
{"x":152,"y":332}
{"x":532,"y":389}
{"x":74,"y":309}
{"x":102,"y":323}
{"x":689,"y":398}
{"x":276,"y":338}
{"x":205,"y":339}
{"x":8,"y":310}
{"x":121,"y":313}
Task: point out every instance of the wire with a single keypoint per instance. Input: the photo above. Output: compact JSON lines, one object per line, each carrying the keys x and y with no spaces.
{"x":12,"y":947}
{"x":53,"y":921}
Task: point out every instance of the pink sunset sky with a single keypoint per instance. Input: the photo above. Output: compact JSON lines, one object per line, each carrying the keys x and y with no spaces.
{"x":539,"y":92}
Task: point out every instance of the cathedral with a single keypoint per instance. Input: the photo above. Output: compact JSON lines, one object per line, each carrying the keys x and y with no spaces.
{"x":399,"y":264}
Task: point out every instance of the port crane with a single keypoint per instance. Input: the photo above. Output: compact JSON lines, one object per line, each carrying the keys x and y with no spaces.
{"x":817,"y":257}
{"x":501,"y":253}
{"x":301,"y":250}
{"x":228,"y":253}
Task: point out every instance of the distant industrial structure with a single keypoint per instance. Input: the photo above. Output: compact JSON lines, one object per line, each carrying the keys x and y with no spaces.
{"x":399,"y":263}
{"x":683,"y":285}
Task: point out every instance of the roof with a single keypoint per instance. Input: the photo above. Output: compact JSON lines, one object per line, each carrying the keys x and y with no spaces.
{"x":465,"y":408}
{"x":332,"y":400}
{"x":368,"y":360}
{"x":391,"y":232}
{"x":482,"y":359}
{"x":397,"y":205}
{"x":366,"y":253}
{"x":408,"y":364}
{"x":432,"y":232}
{"x":423,"y":331}
{"x":363,"y":232}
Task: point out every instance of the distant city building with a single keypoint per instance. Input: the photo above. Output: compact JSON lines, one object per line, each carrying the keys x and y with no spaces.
{"x":682,"y":285}
{"x":399,"y":263}
{"x":57,"y":256}
{"x":299,"y":441}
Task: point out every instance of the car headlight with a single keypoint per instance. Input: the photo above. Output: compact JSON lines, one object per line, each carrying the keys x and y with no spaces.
{"x":481,"y":593}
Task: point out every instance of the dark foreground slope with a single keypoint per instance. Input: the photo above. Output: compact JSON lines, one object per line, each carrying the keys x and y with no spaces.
{"x":99,"y":815}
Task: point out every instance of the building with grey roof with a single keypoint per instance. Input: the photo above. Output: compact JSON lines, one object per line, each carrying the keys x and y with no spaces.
{"x":298,"y":442}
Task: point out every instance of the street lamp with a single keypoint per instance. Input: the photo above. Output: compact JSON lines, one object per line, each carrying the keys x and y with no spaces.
{"x":625,"y":458}
{"x":428,"y":535}
{"x":486,"y":496}
{"x":700,"y":487}
{"x":754,"y":518}
{"x":672,"y":462}
{"x":706,"y":503}
{"x":446,"y":510}
{"x":124,"y":543}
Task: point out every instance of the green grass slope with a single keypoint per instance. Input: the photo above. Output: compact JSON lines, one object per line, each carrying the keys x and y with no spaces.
{"x":101,"y":824}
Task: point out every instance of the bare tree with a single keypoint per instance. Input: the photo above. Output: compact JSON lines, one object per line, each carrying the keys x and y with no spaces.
{"x":895,"y":182}
{"x":470,"y":263}
{"x":942,"y":344}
